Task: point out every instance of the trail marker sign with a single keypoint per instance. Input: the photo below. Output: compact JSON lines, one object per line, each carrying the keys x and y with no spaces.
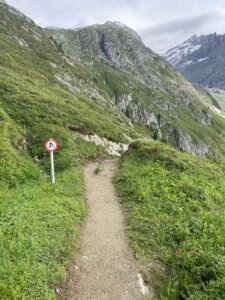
{"x":51,"y":146}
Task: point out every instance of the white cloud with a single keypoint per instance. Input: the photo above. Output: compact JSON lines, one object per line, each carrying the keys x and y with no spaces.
{"x":164,"y":36}
{"x":188,"y":16}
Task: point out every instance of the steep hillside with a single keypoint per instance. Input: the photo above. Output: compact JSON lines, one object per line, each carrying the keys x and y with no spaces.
{"x":142,"y":85}
{"x":37,"y":98}
{"x":201,"y":60}
{"x":175,"y":211}
{"x":38,"y":222}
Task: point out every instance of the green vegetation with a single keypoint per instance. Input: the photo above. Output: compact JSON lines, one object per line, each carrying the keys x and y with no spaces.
{"x":175,"y":213}
{"x":45,"y":95}
{"x":99,"y":169}
{"x":39,"y":224}
{"x":38,"y":234}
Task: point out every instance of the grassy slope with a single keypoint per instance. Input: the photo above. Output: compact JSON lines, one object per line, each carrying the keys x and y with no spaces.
{"x":175,"y":212}
{"x":38,"y":223}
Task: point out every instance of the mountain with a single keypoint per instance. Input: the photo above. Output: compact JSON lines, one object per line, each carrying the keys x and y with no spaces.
{"x":90,"y":88}
{"x":99,"y":80}
{"x":201,"y":60}
{"x":38,"y":98}
{"x":141,"y":84}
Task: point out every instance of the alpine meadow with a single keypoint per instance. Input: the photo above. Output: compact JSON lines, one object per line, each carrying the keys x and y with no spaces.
{"x":105,"y":96}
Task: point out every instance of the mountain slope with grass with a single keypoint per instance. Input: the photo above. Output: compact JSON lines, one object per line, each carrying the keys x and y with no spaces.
{"x":48,"y":92}
{"x":142,"y":85}
{"x":174,"y":205}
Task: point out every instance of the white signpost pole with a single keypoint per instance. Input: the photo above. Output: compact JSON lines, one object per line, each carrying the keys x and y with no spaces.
{"x":51,"y":146}
{"x":52,"y":167}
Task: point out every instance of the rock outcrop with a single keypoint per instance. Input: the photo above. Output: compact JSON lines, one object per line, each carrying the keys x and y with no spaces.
{"x":163,"y":130}
{"x":185,"y":143}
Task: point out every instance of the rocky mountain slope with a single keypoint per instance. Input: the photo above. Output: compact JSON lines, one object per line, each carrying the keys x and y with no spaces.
{"x":97,"y":80}
{"x":39,"y":101}
{"x":201,"y":60}
{"x":140,"y":84}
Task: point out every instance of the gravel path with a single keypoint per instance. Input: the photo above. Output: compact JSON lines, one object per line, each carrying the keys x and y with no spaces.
{"x":104,"y":268}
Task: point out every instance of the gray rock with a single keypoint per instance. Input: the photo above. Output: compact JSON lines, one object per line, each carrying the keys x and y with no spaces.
{"x":136,"y":112}
{"x":184,"y":143}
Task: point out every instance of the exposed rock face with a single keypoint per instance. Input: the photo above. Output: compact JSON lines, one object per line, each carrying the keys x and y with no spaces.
{"x":201,"y":60}
{"x":133,"y":110}
{"x":164,"y":130}
{"x":120,"y":47}
{"x":66,"y":80}
{"x":114,"y":44}
{"x":184,"y":142}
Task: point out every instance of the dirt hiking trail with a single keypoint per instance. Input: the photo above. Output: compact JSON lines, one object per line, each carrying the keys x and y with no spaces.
{"x":103,"y":268}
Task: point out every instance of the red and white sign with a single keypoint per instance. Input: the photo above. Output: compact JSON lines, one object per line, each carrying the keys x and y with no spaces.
{"x":51,"y":145}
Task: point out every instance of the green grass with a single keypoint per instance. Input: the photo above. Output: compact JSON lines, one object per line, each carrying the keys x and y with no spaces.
{"x":175,"y":211}
{"x":38,"y":231}
{"x":99,"y":169}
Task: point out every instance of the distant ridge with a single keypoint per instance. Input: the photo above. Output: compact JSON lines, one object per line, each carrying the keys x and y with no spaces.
{"x":201,"y":59}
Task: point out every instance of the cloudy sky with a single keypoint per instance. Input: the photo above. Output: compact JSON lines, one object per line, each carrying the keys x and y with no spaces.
{"x":162,"y":24}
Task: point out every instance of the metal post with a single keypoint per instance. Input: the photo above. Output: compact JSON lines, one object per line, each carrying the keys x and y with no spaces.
{"x":52,"y":167}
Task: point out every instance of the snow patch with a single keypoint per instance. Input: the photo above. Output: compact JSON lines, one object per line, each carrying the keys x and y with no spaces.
{"x":193,"y":48}
{"x":202,"y":59}
{"x":188,"y":62}
{"x":175,"y":55}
